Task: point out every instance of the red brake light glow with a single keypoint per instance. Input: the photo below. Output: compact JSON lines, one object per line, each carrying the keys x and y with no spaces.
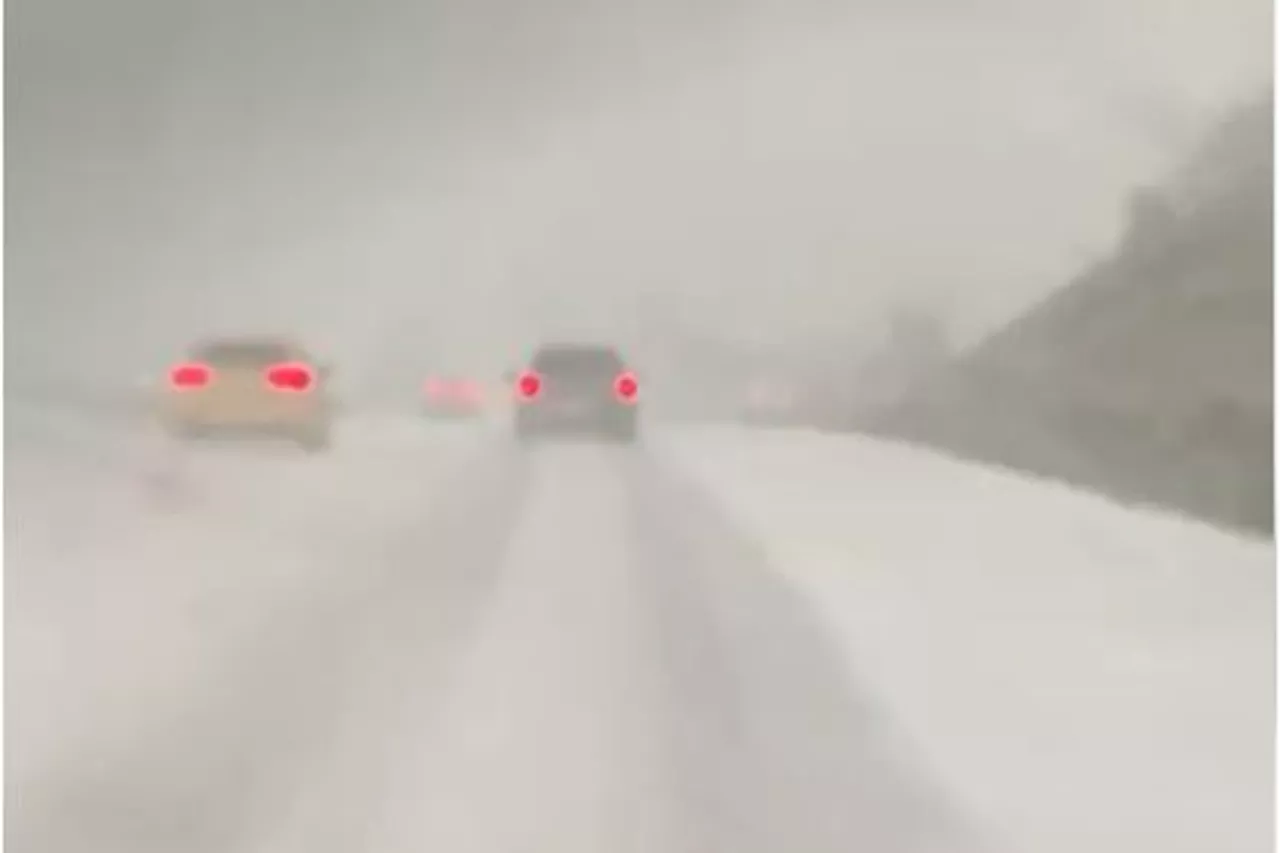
{"x":187,"y":377}
{"x":528,"y":385}
{"x":290,"y":377}
{"x":626,"y":387}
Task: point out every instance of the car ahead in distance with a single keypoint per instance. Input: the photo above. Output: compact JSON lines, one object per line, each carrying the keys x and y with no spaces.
{"x":577,"y":390}
{"x":450,"y":397}
{"x":769,"y":403}
{"x":249,"y":389}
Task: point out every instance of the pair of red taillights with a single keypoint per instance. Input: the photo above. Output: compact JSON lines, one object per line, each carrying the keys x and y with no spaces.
{"x":625,"y":386}
{"x":279,"y":377}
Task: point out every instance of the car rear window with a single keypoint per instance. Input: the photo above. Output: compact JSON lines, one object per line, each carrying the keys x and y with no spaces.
{"x":578,"y":362}
{"x":245,"y":353}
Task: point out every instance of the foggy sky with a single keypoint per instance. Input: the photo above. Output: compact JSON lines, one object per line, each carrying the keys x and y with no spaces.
{"x":396,"y":180}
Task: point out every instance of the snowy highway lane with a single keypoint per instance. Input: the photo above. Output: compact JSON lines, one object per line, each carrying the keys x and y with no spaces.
{"x":1079,"y":675}
{"x":574,"y":648}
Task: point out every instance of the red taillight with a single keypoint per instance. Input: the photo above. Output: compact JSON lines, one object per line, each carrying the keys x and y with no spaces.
{"x":528,"y":385}
{"x":186,"y":377}
{"x":626,"y":387}
{"x":290,"y":377}
{"x":434,"y":388}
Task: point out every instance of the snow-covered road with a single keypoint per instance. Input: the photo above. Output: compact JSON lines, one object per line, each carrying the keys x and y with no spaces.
{"x":1079,"y":675}
{"x":723,"y":641}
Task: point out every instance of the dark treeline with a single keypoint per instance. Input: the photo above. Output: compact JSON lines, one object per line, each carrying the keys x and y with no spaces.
{"x":1148,"y":377}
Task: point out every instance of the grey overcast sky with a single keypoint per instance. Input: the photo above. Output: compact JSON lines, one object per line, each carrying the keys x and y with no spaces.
{"x":392,"y":178}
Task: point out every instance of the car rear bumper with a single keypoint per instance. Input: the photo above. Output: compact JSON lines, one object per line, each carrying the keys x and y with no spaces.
{"x":612,"y":423}
{"x":270,"y":431}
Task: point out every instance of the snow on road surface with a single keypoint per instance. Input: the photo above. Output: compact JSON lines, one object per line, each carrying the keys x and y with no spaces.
{"x":719,"y":642}
{"x":544,"y":736}
{"x":609,"y":689}
{"x":134,"y":566}
{"x":1080,"y":675}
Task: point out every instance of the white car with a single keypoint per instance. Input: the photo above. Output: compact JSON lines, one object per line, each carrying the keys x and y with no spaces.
{"x":249,"y":389}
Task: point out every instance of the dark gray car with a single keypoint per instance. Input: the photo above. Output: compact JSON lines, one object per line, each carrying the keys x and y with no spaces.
{"x":577,"y":390}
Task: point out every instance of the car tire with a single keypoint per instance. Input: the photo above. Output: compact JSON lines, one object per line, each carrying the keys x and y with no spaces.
{"x":525,"y":429}
{"x":627,"y":433}
{"x":316,"y":442}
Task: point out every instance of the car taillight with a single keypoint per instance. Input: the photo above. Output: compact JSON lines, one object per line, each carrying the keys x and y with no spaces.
{"x":290,"y":377}
{"x":529,"y":385}
{"x":626,"y":387}
{"x":186,"y":377}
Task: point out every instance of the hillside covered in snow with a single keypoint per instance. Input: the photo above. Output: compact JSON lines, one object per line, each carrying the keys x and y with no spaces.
{"x":1149,"y":377}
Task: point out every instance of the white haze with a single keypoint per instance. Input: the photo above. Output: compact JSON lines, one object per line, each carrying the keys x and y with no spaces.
{"x":753,"y":639}
{"x":396,"y":181}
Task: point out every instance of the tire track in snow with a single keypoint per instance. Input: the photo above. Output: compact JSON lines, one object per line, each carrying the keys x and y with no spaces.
{"x":776,"y":747}
{"x":227,"y":766}
{"x":545,"y":740}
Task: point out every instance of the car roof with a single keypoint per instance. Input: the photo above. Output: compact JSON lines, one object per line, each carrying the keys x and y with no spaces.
{"x":248,"y":348}
{"x":566,"y":354}
{"x":578,"y":348}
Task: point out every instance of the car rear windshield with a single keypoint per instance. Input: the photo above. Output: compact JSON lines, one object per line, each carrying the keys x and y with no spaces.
{"x":578,"y":363}
{"x":245,"y":353}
